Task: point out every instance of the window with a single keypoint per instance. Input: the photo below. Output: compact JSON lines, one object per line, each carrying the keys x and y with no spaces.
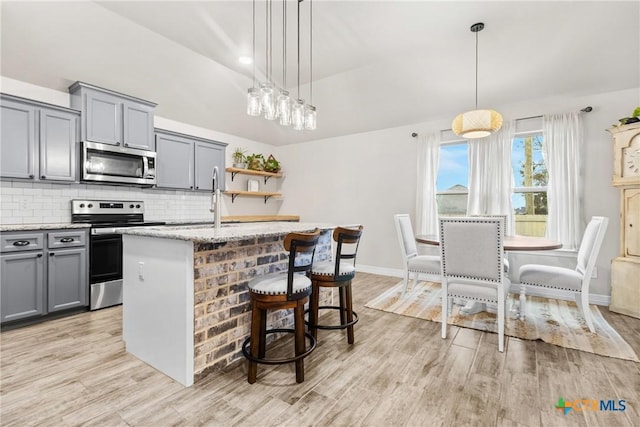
{"x":530,"y":177}
{"x":452,"y":185}
{"x":529,"y":198}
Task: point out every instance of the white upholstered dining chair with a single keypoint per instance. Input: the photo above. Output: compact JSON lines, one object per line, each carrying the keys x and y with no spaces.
{"x":414,"y":263}
{"x":472,"y":252}
{"x":566,"y":279}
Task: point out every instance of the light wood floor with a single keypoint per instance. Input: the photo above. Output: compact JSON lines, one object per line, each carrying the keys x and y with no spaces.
{"x":75,"y":371}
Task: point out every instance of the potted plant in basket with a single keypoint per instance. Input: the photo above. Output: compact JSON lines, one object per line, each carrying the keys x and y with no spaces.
{"x":255,"y":162}
{"x":271,"y":164}
{"x":239,"y":159}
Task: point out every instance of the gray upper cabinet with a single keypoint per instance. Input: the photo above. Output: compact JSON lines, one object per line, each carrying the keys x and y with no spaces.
{"x":18,"y":139}
{"x":58,"y":145}
{"x":174,"y":162}
{"x":113,"y":118}
{"x":38,"y":140}
{"x":186,"y":162}
{"x":208,"y":155}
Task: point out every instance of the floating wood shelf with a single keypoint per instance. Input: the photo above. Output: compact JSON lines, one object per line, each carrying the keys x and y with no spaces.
{"x":236,"y":193}
{"x":266,"y":175}
{"x":260,"y":218}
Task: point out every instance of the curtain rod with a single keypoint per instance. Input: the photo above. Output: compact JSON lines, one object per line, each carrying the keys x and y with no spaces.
{"x":586,"y":109}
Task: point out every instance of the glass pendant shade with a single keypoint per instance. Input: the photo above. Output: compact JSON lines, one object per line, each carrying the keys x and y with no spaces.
{"x":476,"y":123}
{"x":268,"y":101}
{"x":297,"y":114}
{"x":310,"y":117}
{"x":254,"y":107}
{"x":284,"y":108}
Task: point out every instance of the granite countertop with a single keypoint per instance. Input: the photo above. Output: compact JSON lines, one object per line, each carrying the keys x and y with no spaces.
{"x":38,"y":227}
{"x":227,"y":233}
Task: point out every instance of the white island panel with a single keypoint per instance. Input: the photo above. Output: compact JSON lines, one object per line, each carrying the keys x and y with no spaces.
{"x":158,"y":304}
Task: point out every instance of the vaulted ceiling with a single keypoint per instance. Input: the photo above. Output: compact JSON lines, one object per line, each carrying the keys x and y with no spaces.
{"x":376,"y":64}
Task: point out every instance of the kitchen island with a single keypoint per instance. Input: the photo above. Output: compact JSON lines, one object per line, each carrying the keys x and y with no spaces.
{"x":186,"y":308}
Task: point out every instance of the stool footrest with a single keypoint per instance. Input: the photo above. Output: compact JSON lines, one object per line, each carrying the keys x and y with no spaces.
{"x":247,"y":354}
{"x":340,"y":326}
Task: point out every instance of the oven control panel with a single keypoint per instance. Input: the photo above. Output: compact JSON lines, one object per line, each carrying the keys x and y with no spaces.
{"x":112,"y":207}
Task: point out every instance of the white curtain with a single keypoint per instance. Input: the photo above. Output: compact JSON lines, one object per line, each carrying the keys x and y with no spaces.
{"x":491,"y":175}
{"x":426,"y":204}
{"x":561,"y":150}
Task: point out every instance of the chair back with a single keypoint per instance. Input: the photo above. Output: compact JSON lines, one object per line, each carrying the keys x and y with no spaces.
{"x":472,"y":248}
{"x":405,"y":236}
{"x":507,"y":229}
{"x":300,"y":243}
{"x":590,"y":245}
{"x":349,"y":237}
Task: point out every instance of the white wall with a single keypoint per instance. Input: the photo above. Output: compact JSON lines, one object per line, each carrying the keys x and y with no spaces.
{"x":369,"y":177}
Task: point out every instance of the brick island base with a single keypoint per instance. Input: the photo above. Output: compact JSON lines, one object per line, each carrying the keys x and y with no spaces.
{"x":186,"y":308}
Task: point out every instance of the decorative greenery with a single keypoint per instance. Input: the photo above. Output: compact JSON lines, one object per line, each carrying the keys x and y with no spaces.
{"x":238,"y":156}
{"x":271,"y":164}
{"x":255,"y":162}
{"x":633,"y":119}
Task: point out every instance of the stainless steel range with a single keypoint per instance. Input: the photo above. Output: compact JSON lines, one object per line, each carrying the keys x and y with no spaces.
{"x":105,"y":256}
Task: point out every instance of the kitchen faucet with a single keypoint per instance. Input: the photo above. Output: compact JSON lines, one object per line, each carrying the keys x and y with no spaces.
{"x":215,"y":199}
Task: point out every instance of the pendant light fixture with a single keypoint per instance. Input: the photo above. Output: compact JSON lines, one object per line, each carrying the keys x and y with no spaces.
{"x":476,"y":123}
{"x":270,"y":101}
{"x":284,"y":100}
{"x":267,"y":89}
{"x":297,"y":110}
{"x":309,"y":109}
{"x":254,"y":106}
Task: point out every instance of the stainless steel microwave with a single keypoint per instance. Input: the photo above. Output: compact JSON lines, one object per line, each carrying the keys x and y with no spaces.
{"x":110,"y":163}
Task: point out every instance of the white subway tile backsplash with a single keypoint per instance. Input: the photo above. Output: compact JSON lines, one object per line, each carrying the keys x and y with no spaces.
{"x":41,"y":202}
{"x":11,"y":190}
{"x":21,"y":184}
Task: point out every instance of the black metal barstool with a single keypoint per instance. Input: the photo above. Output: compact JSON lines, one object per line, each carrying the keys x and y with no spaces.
{"x":336,"y":274}
{"x":279,"y":291}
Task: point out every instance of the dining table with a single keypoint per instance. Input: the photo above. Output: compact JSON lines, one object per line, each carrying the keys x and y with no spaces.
{"x":510,"y":243}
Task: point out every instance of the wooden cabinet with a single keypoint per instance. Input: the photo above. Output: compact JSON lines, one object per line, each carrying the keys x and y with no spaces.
{"x":625,"y":269}
{"x":38,"y":141}
{"x":265,"y":175}
{"x":113,"y":118}
{"x":43,"y":272}
{"x":187,"y":162}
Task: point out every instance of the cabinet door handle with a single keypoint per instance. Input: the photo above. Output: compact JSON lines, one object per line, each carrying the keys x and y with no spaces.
{"x":43,"y":177}
{"x":32,"y":176}
{"x":21,"y":243}
{"x":51,"y":254}
{"x":39,"y":255}
{"x":66,"y":240}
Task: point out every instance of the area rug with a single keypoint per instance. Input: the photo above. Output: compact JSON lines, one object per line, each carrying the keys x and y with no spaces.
{"x":556,"y":322}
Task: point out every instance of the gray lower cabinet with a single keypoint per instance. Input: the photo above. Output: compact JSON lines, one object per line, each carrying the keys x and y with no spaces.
{"x":67,"y":279}
{"x":42,"y":272}
{"x":23,"y":287}
{"x":187,"y":162}
{"x":38,"y":141}
{"x":110,"y":117}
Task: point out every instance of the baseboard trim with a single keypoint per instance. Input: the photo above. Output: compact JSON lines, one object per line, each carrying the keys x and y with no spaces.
{"x":597,"y":299}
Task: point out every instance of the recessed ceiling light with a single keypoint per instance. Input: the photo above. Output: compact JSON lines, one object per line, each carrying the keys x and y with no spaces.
{"x":245,"y":60}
